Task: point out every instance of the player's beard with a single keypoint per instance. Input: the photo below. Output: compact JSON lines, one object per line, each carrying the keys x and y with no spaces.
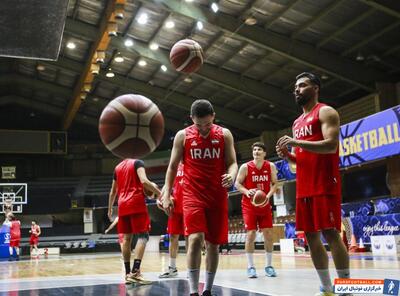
{"x":302,"y":99}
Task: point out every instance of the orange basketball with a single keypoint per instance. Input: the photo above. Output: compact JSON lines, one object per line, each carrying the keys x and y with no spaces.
{"x":259,"y":199}
{"x":131,"y":126}
{"x":186,"y":56}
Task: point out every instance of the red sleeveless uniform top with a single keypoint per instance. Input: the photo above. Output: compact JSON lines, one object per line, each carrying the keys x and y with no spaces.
{"x":130,"y":193}
{"x":316,"y":174}
{"x":15,"y":230}
{"x":204,"y":165}
{"x":34,"y":230}
{"x":178,"y":190}
{"x":260,"y":179}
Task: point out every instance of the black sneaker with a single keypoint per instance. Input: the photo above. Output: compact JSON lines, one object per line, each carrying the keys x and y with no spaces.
{"x":207,"y":293}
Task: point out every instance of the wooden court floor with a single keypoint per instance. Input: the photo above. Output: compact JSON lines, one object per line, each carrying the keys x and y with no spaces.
{"x":296,"y":275}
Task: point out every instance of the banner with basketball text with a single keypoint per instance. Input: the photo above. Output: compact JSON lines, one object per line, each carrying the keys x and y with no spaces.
{"x":366,"y":226}
{"x":370,"y":138}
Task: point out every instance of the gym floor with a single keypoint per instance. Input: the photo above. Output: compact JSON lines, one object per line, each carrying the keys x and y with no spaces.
{"x":102,"y":274}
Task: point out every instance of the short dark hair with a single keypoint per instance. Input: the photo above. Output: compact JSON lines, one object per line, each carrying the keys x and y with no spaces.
{"x":201,"y":108}
{"x":259,"y":144}
{"x":313,"y":78}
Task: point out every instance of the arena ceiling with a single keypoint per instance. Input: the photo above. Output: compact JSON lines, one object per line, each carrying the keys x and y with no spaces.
{"x":253,"y":49}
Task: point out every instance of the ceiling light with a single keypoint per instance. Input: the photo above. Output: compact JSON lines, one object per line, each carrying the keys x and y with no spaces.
{"x":95,"y":69}
{"x":324,"y":77}
{"x":199,"y":25}
{"x":359,"y":57}
{"x":214,"y":7}
{"x":119,"y":11}
{"x":110,"y":73}
{"x":164,"y":68}
{"x":169,"y":24}
{"x":87,"y":86}
{"x":112,"y":29}
{"x":153,"y":46}
{"x":71,"y":45}
{"x":119,"y":58}
{"x":189,"y":0}
{"x":250,"y":21}
{"x":128,"y":42}
{"x":142,"y":19}
{"x":40,"y":67}
{"x":100,"y":56}
{"x":142,"y":63}
{"x":188,"y":80}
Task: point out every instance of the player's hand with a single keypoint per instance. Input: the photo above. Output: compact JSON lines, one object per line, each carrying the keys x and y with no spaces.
{"x":282,"y":151}
{"x":251,"y":192}
{"x":286,"y":140}
{"x":166,"y":201}
{"x":106,"y":231}
{"x":109,"y":214}
{"x":227,"y":180}
{"x":30,"y":231}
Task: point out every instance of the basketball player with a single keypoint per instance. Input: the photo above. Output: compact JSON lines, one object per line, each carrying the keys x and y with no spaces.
{"x":120,"y":235}
{"x":34,"y":240}
{"x":15,"y":235}
{"x":315,"y":152}
{"x":210,"y":167}
{"x":129,"y":180}
{"x":253,"y":175}
{"x":175,"y":225}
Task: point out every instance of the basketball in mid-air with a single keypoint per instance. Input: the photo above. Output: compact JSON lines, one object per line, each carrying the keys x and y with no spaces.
{"x":186,"y":56}
{"x":131,"y":126}
{"x":259,"y":199}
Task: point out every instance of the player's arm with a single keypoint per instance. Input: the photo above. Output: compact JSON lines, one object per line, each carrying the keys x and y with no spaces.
{"x":274,"y":181}
{"x":147,"y":184}
{"x":112,"y":225}
{"x":111,"y":198}
{"x":330,"y":126}
{"x":240,"y":180}
{"x":230,"y":160}
{"x":176,"y":156}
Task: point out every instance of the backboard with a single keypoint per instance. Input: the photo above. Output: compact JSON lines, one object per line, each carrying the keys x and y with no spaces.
{"x":13,"y":196}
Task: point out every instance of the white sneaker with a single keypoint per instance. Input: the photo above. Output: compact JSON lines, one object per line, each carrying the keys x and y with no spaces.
{"x":171,"y":272}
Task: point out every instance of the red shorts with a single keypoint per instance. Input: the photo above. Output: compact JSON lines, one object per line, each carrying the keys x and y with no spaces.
{"x":134,"y":223}
{"x":253,"y":221}
{"x":318,"y":213}
{"x":175,"y":224}
{"x":34,"y":240}
{"x":15,"y":243}
{"x":212,"y":222}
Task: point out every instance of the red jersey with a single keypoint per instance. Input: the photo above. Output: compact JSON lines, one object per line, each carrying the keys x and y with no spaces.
{"x":177,"y":190}
{"x":316,"y":173}
{"x":204,"y":165}
{"x":131,"y":198}
{"x":15,"y":230}
{"x":260,"y":179}
{"x":35,"y":230}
